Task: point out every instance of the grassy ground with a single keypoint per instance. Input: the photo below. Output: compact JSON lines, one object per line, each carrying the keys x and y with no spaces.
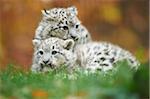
{"x":120,"y":84}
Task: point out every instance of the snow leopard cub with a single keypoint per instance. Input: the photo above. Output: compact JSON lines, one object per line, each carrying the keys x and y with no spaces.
{"x":92,"y":56}
{"x":62,"y":23}
{"x":52,"y":53}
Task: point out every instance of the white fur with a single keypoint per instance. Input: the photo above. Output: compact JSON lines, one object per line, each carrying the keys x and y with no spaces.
{"x":91,"y":56}
{"x":55,"y":19}
{"x":63,"y":54}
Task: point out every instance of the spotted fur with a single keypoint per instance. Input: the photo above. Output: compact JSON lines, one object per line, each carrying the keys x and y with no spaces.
{"x":91,"y":56}
{"x":62,"y":23}
{"x":103,"y":56}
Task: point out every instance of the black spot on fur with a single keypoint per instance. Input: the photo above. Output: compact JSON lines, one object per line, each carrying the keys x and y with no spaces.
{"x":51,"y":35}
{"x":97,"y":61}
{"x":66,"y":22}
{"x":99,"y":53}
{"x":55,"y":29}
{"x":106,"y":53}
{"x":53,"y":47}
{"x":77,"y":26}
{"x":60,"y":22}
{"x":102,"y":58}
{"x":112,"y":60}
{"x":104,"y":64}
{"x":86,"y":35}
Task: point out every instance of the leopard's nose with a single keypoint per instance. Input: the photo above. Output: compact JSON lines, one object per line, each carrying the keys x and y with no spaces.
{"x":45,"y":62}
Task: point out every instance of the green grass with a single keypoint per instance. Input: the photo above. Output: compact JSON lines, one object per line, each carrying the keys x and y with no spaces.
{"x":120,"y":84}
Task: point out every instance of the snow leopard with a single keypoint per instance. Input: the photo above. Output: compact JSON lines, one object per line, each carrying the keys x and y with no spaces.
{"x":62,"y":23}
{"x":53,"y":52}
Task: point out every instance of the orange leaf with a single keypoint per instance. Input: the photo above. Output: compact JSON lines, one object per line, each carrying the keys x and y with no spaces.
{"x":40,"y":93}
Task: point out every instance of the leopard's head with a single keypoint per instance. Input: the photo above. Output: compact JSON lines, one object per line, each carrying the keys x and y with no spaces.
{"x":53,"y":52}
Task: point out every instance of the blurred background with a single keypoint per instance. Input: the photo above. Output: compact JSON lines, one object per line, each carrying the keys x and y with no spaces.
{"x":122,"y":22}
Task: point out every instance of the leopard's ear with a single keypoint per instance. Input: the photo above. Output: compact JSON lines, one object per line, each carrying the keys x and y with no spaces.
{"x":45,"y":12}
{"x":73,"y":10}
{"x":69,"y":44}
{"x":36,"y":42}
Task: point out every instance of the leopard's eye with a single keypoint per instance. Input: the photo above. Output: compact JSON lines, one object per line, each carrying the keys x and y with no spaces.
{"x":54,"y":52}
{"x":41,"y":52}
{"x":65,"y":27}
